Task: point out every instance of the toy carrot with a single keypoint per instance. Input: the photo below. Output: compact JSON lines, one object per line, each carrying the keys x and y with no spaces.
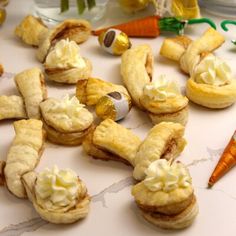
{"x":226,"y":162}
{"x":152,"y":26}
{"x":224,"y":27}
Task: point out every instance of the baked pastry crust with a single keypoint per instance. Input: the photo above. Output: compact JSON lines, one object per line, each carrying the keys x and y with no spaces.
{"x":73,"y":29}
{"x":91,"y":90}
{"x":12,"y":107}
{"x":65,"y":216}
{"x":136,"y":71}
{"x":211,"y":96}
{"x":24,"y":154}
{"x":164,"y":140}
{"x":31,"y":30}
{"x":31,"y":85}
{"x":69,"y":75}
{"x":1,"y":69}
{"x":70,"y":130}
{"x":172,"y":110}
{"x":178,"y":221}
{"x":110,"y":137}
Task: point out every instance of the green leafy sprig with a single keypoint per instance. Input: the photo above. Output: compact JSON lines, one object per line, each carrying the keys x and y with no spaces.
{"x":81,"y":5}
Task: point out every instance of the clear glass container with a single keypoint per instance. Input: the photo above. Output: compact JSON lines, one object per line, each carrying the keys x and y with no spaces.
{"x":49,"y":11}
{"x":220,"y":7}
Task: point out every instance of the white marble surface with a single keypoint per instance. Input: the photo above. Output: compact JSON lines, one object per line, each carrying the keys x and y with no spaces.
{"x":113,"y":211}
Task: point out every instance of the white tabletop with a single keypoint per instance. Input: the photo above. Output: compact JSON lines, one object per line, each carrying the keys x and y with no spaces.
{"x":113,"y":211}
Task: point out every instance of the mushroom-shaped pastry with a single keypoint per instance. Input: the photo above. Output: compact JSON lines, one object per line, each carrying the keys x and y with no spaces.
{"x":58,"y":196}
{"x":164,"y":102}
{"x":166,"y":196}
{"x":164,"y":141}
{"x":66,"y":121}
{"x":74,"y":29}
{"x":64,"y":63}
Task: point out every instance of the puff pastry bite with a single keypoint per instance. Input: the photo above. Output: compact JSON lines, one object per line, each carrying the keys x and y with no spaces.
{"x":210,"y":84}
{"x":66,"y":121}
{"x":64,"y":64}
{"x":91,"y":90}
{"x":164,"y":141}
{"x":166,"y":196}
{"x":164,"y":102}
{"x":31,"y":30}
{"x":12,"y":107}
{"x":111,"y":141}
{"x":24,"y":153}
{"x":31,"y":86}
{"x":73,"y":29}
{"x":136,"y":71}
{"x":58,"y":196}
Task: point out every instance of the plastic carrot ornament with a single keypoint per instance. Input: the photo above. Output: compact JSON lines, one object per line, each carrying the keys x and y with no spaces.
{"x":153,"y":26}
{"x":224,"y":27}
{"x":226,"y":162}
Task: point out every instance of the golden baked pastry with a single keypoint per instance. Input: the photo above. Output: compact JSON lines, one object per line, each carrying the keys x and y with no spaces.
{"x":74,"y":29}
{"x":66,"y":121}
{"x":164,"y":141}
{"x":64,"y":64}
{"x":136,"y":71}
{"x":166,"y":197}
{"x":211,"y":83}
{"x":91,"y":90}
{"x":164,"y":102}
{"x":58,"y":196}
{"x":12,"y":107}
{"x":31,"y":30}
{"x":31,"y":86}
{"x":111,"y":141}
{"x":24,"y":154}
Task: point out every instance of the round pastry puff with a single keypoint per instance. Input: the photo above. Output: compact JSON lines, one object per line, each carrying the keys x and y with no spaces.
{"x":69,"y":75}
{"x":211,"y":96}
{"x":172,"y":110}
{"x":63,"y":216}
{"x":171,"y":210}
{"x":65,"y":129}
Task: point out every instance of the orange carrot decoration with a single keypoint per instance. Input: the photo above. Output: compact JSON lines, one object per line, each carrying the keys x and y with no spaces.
{"x":152,"y":26}
{"x":226,"y":162}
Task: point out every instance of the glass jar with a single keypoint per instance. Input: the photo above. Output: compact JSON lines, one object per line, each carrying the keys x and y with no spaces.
{"x":49,"y":11}
{"x":220,"y":7}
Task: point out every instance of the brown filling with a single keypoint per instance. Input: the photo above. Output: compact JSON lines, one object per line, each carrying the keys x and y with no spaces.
{"x":149,"y":65}
{"x":169,"y":150}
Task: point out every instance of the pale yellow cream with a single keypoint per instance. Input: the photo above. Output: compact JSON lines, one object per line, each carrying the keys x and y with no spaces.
{"x":163,"y":176}
{"x":56,"y":188}
{"x":213,"y":71}
{"x":65,"y":54}
{"x":161,"y":89}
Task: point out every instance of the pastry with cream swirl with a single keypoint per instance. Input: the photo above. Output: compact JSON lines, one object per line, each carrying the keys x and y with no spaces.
{"x":58,"y":196}
{"x":164,"y":102}
{"x":166,"y":196}
{"x":211,"y":84}
{"x":164,"y":141}
{"x":64,"y":64}
{"x":66,"y":121}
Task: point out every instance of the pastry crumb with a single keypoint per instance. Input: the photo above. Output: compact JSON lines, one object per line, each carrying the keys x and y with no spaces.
{"x":1,"y":70}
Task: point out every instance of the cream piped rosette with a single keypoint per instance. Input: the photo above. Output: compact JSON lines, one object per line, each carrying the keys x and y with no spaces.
{"x":166,"y":196}
{"x":58,"y":196}
{"x":212,"y":84}
{"x":66,"y":121}
{"x":164,"y":141}
{"x":64,"y":63}
{"x":164,"y":102}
